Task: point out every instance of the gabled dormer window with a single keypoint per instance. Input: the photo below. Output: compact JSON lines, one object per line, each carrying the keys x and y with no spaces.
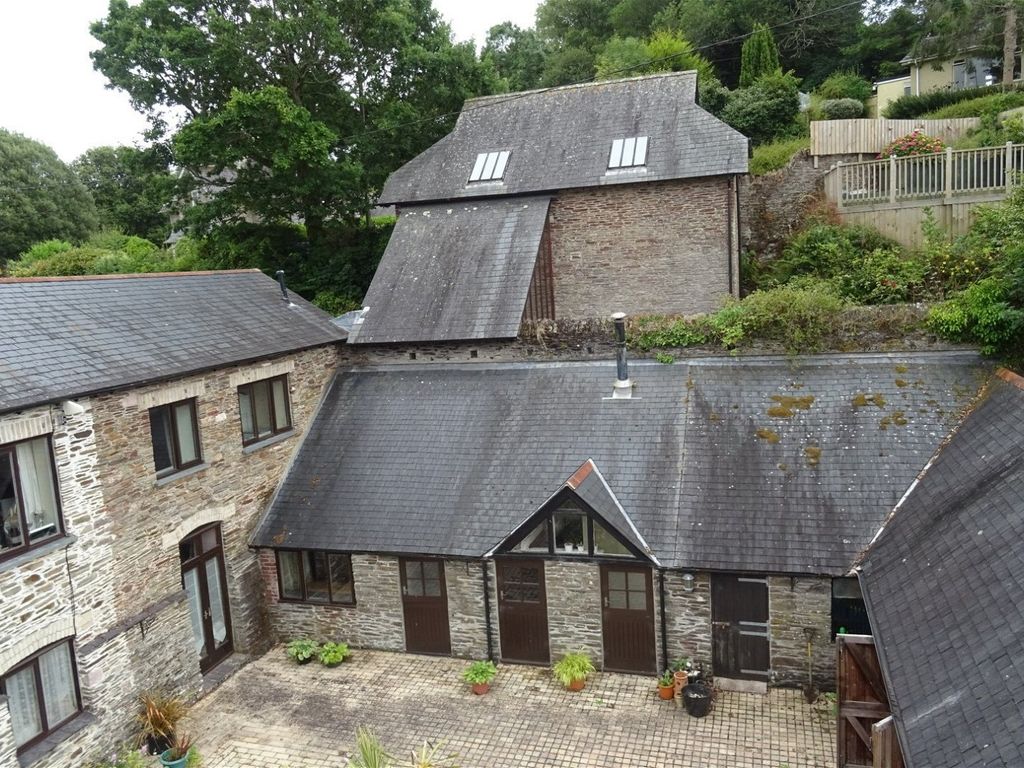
{"x":490,"y":166}
{"x":570,"y":529}
{"x":628,"y":153}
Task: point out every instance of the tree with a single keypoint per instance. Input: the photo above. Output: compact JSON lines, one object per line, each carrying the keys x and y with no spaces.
{"x":133,"y":188}
{"x":759,"y":56}
{"x":517,"y":55}
{"x":635,"y":18}
{"x":887,"y":37}
{"x":985,"y":27}
{"x":40,"y":197}
{"x":664,"y":52}
{"x":299,"y":85}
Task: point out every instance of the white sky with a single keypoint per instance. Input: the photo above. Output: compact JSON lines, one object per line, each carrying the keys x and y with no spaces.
{"x":50,"y":92}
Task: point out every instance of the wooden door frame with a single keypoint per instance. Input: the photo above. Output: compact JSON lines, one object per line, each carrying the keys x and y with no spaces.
{"x":604,"y":567}
{"x":499,"y":565}
{"x":198,"y":563}
{"x":442,"y":598}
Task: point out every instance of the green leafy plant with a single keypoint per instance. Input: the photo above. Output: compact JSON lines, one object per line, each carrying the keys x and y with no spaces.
{"x":844,"y":84}
{"x":681,"y":664}
{"x":480,"y":672}
{"x":759,"y":56}
{"x":766,"y":110}
{"x":664,"y":358}
{"x":842,"y":109}
{"x":431,"y":756}
{"x":910,"y":106}
{"x":666,"y":679}
{"x":125,"y":756}
{"x":301,"y":650}
{"x":159,"y":716}
{"x":194,"y":760}
{"x":917,"y":142}
{"x":660,"y":332}
{"x":332,"y":654}
{"x":573,"y":666}
{"x":984,"y":313}
{"x":982,"y":106}
{"x":370,"y":753}
{"x":776,"y":154}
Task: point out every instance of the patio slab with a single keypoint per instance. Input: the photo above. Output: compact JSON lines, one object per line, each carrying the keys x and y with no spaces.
{"x":276,"y":714}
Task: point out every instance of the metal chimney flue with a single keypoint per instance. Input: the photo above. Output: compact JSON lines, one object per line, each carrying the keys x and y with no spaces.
{"x":280,"y":281}
{"x":623,"y":387}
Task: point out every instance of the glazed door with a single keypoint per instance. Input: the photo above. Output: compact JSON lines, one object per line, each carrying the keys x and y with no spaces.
{"x":425,"y":606}
{"x":203,"y":577}
{"x":628,"y":619}
{"x":523,"y":612}
{"x":739,"y":626}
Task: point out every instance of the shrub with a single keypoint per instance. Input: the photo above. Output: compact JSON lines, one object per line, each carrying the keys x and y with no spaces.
{"x":842,"y":109}
{"x":47,"y":249}
{"x":126,"y":756}
{"x":301,"y":650}
{"x":910,"y":106}
{"x":982,"y":314}
{"x":883,"y":276}
{"x":680,"y":332}
{"x":776,"y":155}
{"x":480,"y":672}
{"x":158,"y":717}
{"x":712,"y":96}
{"x":332,"y":654}
{"x":766,"y":110}
{"x":844,"y":84}
{"x":825,"y":250}
{"x":983,"y":106}
{"x":914,"y":143}
{"x":335,"y":304}
{"x":573,"y":666}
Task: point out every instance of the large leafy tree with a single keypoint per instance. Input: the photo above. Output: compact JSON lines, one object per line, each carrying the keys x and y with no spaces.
{"x":517,"y":55}
{"x":295,"y":109}
{"x":40,"y":197}
{"x":134,"y":188}
{"x":984,"y":27}
{"x":889,"y":34}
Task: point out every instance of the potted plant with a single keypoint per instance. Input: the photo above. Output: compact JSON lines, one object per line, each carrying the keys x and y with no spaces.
{"x":680,"y":669}
{"x":573,"y":669}
{"x":177,"y":755}
{"x":332,"y":654}
{"x":479,"y":675}
{"x":157,"y":720}
{"x":666,"y":686}
{"x":302,"y":651}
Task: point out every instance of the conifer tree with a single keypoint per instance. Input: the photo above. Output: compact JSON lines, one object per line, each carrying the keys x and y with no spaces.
{"x":759,"y":56}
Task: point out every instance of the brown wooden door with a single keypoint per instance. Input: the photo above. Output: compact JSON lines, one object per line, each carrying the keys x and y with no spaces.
{"x":204,"y":579}
{"x":425,"y":606}
{"x":523,"y":611}
{"x":739,"y":626}
{"x":863,"y":704}
{"x":627,"y":619}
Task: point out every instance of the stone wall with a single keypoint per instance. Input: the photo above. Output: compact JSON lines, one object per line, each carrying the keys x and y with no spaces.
{"x":799,"y":603}
{"x":574,"y":608}
{"x":466,"y":616}
{"x":8,"y":757}
{"x":688,"y":614}
{"x":649,"y":248}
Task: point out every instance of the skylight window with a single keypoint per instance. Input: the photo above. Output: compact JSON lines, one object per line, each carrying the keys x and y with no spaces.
{"x":490,"y":166}
{"x":628,"y":153}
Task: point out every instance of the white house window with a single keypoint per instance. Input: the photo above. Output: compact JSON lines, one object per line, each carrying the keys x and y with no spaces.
{"x":490,"y":166}
{"x":628,"y":153}
{"x":175,"y":431}
{"x":29,"y":508}
{"x":42,"y":693}
{"x":263,"y":407}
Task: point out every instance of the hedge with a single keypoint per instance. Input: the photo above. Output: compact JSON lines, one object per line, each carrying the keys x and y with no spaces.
{"x":908,"y":107}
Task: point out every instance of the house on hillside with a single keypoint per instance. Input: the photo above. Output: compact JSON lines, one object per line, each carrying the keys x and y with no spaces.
{"x":519,"y":510}
{"x":144,"y":423}
{"x":943,"y":585}
{"x":562,"y":203}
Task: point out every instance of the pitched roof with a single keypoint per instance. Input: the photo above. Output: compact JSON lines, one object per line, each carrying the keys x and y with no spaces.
{"x":68,"y":337}
{"x":448,"y":459}
{"x":455,"y":271}
{"x":561,"y":138}
{"x":943,"y":586}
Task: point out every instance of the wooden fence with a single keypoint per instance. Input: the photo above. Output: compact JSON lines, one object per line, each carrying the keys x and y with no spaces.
{"x":862,"y":703}
{"x":869,"y":137}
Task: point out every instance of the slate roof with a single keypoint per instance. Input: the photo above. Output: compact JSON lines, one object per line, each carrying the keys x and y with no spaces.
{"x":560,"y":138}
{"x":68,"y":337}
{"x":456,"y":271}
{"x":943,"y":587}
{"x":449,"y":459}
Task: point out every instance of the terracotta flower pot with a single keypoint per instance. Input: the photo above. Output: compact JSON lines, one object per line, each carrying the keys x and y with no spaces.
{"x":481,"y":688}
{"x":666,"y":692}
{"x":577,"y":685}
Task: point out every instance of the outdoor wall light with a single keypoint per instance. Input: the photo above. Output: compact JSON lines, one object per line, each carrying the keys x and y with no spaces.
{"x":688,"y":582}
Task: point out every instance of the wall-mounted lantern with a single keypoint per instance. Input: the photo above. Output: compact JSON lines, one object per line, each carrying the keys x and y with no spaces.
{"x":688,"y":582}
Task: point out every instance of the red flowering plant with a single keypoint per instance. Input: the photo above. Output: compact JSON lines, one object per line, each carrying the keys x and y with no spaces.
{"x":914,"y":143}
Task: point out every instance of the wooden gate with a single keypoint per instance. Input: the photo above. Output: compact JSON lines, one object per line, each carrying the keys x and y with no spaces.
{"x":863,"y":703}
{"x":523,"y":611}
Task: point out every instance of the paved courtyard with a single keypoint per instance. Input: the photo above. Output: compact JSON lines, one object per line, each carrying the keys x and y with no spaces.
{"x":276,"y":714}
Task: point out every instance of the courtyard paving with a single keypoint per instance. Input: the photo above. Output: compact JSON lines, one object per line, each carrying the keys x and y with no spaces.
{"x":274,"y":713}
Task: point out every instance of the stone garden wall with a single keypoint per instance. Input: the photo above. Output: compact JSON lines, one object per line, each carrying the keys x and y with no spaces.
{"x":796,"y":604}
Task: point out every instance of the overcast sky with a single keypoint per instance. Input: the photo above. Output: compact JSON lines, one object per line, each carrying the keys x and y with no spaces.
{"x":50,"y":92}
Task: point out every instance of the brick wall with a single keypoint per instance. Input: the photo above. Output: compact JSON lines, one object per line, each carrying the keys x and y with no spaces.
{"x":653,"y":248}
{"x":798,"y":603}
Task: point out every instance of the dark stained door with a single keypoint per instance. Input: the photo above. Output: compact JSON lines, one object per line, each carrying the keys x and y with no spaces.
{"x":628,"y":619}
{"x":203,"y":577}
{"x":523,"y":611}
{"x":425,"y":606}
{"x":739,"y":626}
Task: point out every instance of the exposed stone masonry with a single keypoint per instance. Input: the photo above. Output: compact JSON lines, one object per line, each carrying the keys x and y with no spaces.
{"x":574,"y":609}
{"x":796,"y":604}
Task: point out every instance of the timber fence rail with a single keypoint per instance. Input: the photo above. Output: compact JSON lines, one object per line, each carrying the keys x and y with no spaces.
{"x":869,"y":137}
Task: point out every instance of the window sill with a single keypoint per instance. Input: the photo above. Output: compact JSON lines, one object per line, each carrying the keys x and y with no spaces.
{"x":168,"y":479}
{"x":272,"y":440}
{"x":38,"y":550}
{"x":287,"y":601}
{"x":37,"y":752}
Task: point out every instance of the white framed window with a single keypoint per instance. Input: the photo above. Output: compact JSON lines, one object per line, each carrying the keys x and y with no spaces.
{"x":29,"y":503}
{"x":42,"y":693}
{"x":490,"y":166}
{"x":628,"y":153}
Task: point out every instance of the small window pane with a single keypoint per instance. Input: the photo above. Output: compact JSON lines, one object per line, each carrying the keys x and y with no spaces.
{"x":478,"y":168}
{"x":615,"y":160}
{"x":536,"y":541}
{"x":570,"y":533}
{"x":186,"y":433}
{"x":288,"y":563}
{"x":261,"y":408}
{"x":637,"y":600}
{"x":10,"y":520}
{"x":616,"y":580}
{"x":341,"y":578}
{"x":627,"y":151}
{"x":431,"y":569}
{"x":246,"y":414}
{"x":488,"y":173}
{"x":606,"y":544}
{"x":209,"y":539}
{"x":637,"y":581}
{"x":24,"y":703}
{"x":282,"y":419}
{"x":160,"y":428}
{"x":499,"y":168}
{"x":413,"y":583}
{"x":38,"y":495}
{"x":58,"y":678}
{"x":617,"y":599}
{"x":314,"y":570}
{"x":640,"y":153}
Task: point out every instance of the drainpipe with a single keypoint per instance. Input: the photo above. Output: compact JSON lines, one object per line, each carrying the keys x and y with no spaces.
{"x":664,"y":621}
{"x":487,"y":610}
{"x":730,"y":193}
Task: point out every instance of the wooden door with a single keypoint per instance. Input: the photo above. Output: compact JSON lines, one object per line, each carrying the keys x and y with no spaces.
{"x":739,"y":627}
{"x":425,"y":606}
{"x":627,"y":619}
{"x":863,"y":705}
{"x":204,"y":578}
{"x":523,"y":611}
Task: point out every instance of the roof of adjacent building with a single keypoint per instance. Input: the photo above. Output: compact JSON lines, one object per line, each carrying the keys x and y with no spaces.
{"x":74,"y":336}
{"x":457,"y":271}
{"x":943,"y":586}
{"x":759,"y":464}
{"x":561,"y":138}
